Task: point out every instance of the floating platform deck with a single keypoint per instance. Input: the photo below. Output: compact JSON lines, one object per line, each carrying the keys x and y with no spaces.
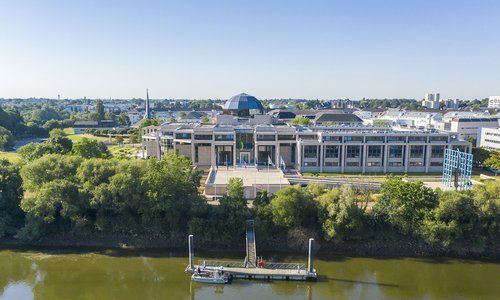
{"x":250,"y":268}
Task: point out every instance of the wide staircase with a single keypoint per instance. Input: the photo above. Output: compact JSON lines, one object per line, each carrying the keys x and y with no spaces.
{"x":203,"y":179}
{"x":251,"y":259}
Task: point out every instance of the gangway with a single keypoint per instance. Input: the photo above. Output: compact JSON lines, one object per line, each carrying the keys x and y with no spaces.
{"x":251,"y":258}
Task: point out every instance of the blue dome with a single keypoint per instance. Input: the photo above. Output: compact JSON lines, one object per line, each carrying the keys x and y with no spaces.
{"x":243,"y":102}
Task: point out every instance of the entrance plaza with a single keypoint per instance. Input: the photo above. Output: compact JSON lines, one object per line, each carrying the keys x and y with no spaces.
{"x":254,"y":180}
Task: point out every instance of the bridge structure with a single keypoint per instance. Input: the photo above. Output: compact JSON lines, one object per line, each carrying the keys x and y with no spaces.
{"x":250,"y":267}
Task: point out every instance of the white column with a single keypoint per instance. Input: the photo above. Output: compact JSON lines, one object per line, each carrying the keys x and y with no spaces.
{"x":364,"y":154}
{"x":427,"y":158}
{"x":407,"y":157}
{"x":386,"y":157}
{"x":192,"y":150}
{"x":342,"y":158}
{"x":299,"y":155}
{"x":277,"y":154}
{"x":321,"y":157}
{"x":213,"y":159}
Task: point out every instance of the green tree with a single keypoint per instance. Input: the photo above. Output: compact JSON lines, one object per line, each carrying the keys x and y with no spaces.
{"x":99,"y":109}
{"x":172,"y":191}
{"x":182,"y":115}
{"x":454,"y":222}
{"x":487,"y":201}
{"x":48,"y":168}
{"x":301,"y":121}
{"x":91,"y":148}
{"x":480,"y":155}
{"x":58,"y":137}
{"x":205,"y":119}
{"x":292,"y":207}
{"x":11,"y":193}
{"x":6,"y":138}
{"x":493,"y":160}
{"x":405,"y":204}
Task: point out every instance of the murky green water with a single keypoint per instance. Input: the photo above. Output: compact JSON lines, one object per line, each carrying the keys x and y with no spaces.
{"x":160,"y":275}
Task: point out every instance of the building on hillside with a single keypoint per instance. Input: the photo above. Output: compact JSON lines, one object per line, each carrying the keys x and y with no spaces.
{"x":489,"y":138}
{"x":494,"y":102}
{"x":82,"y":126}
{"x":432,"y":100}
{"x":259,"y":141}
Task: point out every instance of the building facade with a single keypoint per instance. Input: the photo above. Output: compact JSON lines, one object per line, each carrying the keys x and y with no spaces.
{"x":432,"y":100}
{"x":489,"y":138}
{"x":304,"y":148}
{"x":494,"y":102}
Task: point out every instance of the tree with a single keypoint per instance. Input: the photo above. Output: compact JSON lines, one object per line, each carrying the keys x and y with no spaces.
{"x":342,"y":217}
{"x":123,"y":119}
{"x":91,"y":148}
{"x":49,"y":168}
{"x":99,"y":109}
{"x":405,"y":204}
{"x":6,"y":138}
{"x":182,"y":115}
{"x":480,"y":155}
{"x":301,"y":121}
{"x":454,"y":222}
{"x":11,"y":193}
{"x":487,"y":201}
{"x":293,"y":207}
{"x":205,"y":119}
{"x":58,"y":137}
{"x":172,"y":191}
{"x":493,"y":160}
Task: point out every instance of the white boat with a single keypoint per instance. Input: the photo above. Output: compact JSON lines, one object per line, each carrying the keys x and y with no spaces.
{"x":210,"y":276}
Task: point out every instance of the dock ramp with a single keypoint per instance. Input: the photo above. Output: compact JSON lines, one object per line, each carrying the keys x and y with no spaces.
{"x":251,"y":258}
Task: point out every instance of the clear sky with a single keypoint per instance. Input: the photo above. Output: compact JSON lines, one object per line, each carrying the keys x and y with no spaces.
{"x":270,"y":49}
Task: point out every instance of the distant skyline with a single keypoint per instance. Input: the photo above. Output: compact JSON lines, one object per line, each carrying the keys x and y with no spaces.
{"x":270,"y":49}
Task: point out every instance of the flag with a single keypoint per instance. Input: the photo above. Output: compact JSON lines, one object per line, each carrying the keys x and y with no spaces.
{"x":269,"y":161}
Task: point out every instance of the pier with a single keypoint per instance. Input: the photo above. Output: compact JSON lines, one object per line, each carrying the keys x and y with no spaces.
{"x":250,"y":267}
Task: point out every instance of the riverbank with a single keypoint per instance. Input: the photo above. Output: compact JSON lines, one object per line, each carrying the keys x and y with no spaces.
{"x":381,"y":248}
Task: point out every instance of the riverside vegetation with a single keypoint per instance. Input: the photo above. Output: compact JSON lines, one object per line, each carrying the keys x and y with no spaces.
{"x":61,"y":189}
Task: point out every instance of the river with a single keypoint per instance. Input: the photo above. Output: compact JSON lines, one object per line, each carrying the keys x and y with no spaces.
{"x":111,"y":274}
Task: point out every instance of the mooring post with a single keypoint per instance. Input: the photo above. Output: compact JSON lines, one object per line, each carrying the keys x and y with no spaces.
{"x":310,"y":264}
{"x":191,"y":251}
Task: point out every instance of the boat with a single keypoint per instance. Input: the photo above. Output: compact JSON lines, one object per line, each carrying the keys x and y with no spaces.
{"x":216,"y":276}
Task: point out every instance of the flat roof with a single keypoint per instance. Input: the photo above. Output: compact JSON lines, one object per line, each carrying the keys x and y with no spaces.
{"x":251,"y":176}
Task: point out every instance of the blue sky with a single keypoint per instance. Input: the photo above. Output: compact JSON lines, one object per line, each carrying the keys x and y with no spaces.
{"x":271,"y":49}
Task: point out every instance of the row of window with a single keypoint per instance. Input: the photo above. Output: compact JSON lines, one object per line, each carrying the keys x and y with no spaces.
{"x":271,"y":137}
{"x":373,"y":151}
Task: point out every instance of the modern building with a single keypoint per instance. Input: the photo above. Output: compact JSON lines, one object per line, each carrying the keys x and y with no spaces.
{"x":489,"y":138}
{"x":494,"y":102}
{"x":257,"y":140}
{"x":466,"y":127}
{"x":82,"y":126}
{"x":432,"y":100}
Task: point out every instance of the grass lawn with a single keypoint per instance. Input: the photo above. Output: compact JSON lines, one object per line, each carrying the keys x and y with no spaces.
{"x":10,"y":156}
{"x":78,"y":137}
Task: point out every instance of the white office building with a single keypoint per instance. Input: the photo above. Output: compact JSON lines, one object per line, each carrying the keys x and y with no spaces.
{"x":494,"y":102}
{"x":432,"y":101}
{"x":490,"y":138}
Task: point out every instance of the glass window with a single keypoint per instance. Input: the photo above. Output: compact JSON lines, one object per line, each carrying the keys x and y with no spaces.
{"x":185,"y":136}
{"x":395,"y":151}
{"x":437,"y":152}
{"x":285,"y":137}
{"x":396,"y":138}
{"x":438,"y":139}
{"x":416,"y":164}
{"x":224,"y":137}
{"x":374,"y":164}
{"x":417,"y":151}
{"x":353,"y":139}
{"x":331,"y":163}
{"x":374,"y":151}
{"x":353,"y":151}
{"x":203,"y":137}
{"x":266,"y":137}
{"x":395,"y":164}
{"x":417,"y":139}
{"x":310,"y":151}
{"x":331,"y":152}
{"x":330,"y":138}
{"x":352,"y":164}
{"x":436,"y":164}
{"x":379,"y":139}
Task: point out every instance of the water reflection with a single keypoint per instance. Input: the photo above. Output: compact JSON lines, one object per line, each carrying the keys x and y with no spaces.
{"x":51,"y":275}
